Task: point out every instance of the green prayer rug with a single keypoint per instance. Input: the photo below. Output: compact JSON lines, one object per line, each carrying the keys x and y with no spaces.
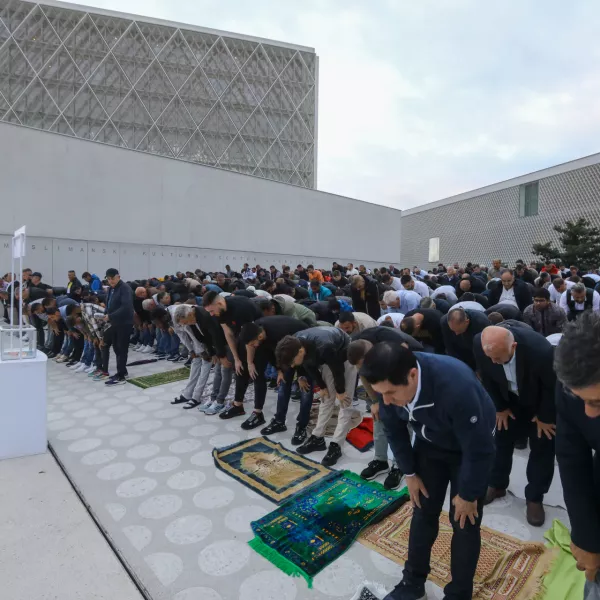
{"x":163,"y":378}
{"x":268,"y":468}
{"x":563,"y":581}
{"x":308,"y":532}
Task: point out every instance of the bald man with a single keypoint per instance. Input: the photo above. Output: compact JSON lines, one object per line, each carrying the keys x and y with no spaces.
{"x":516,"y":367}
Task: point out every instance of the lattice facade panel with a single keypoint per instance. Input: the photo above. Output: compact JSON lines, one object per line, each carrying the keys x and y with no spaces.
{"x":227,"y":102}
{"x":486,"y":227}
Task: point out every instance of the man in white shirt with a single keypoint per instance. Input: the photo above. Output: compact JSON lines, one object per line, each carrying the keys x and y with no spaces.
{"x":578,"y":299}
{"x":508,"y":294}
{"x":410,"y":284}
{"x":350,"y":271}
{"x":393,"y":282}
{"x":395,"y":318}
{"x":448,"y":290}
{"x":419,"y":273}
{"x":558,"y":287}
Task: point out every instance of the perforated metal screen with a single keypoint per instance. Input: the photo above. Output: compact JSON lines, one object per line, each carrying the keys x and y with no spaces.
{"x":222,"y":101}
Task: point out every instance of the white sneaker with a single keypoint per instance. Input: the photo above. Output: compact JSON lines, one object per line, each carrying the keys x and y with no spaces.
{"x":81,"y":368}
{"x":147,"y":350}
{"x":75,"y":366}
{"x":90,"y":369}
{"x":137,"y":347}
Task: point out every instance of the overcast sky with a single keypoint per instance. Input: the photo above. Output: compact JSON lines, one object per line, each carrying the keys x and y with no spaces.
{"x":421,"y":100}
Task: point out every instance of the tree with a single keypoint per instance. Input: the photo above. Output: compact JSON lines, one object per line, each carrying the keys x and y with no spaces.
{"x":580,"y":242}
{"x":546,"y":252}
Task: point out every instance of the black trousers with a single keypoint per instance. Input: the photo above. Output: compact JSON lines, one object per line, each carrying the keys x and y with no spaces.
{"x":116,"y":336}
{"x":39,"y":327}
{"x":540,"y":466}
{"x":437,"y":468}
{"x":243,"y":381}
{"x":59,"y":339}
{"x":78,"y":344}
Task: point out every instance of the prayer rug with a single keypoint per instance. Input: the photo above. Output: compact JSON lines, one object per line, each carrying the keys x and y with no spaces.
{"x":309,"y":531}
{"x":160,"y":378}
{"x":564,"y":580}
{"x":508,"y":568}
{"x":361,"y":437}
{"x":268,"y":468}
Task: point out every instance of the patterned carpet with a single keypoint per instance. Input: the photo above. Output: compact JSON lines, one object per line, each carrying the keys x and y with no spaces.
{"x":146,"y":470}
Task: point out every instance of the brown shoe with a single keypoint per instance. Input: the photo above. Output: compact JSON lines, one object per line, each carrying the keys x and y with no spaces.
{"x":536,"y":516}
{"x":492,"y":494}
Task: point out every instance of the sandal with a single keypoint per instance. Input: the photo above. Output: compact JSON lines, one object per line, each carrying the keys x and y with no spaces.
{"x":192,"y":404}
{"x":180,"y":400}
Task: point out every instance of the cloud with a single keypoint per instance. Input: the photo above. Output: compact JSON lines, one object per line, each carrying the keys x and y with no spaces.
{"x":423,"y":100}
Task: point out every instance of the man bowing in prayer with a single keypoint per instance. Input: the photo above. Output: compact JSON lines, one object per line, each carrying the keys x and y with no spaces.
{"x":453,"y":419}
{"x":516,"y":367}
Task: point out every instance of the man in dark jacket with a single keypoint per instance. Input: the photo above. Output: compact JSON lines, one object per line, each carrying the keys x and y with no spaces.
{"x":511,"y":291}
{"x":119,"y":314}
{"x":365,"y":296}
{"x":320,"y":355}
{"x":459,"y":328}
{"x":73,"y":282}
{"x":453,"y":420}
{"x":577,"y":366}
{"x":516,"y":369}
{"x":544,"y":316}
{"x":424,"y":324}
{"x":471,"y":284}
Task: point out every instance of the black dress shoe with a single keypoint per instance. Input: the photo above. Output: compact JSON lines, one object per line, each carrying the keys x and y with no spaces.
{"x":272,"y":384}
{"x":253,"y":421}
{"x":273,"y":427}
{"x":393,"y":480}
{"x":521,"y":444}
{"x":295,"y":396}
{"x":313,"y":444}
{"x":333,"y":455}
{"x":299,"y":436}
{"x":232,"y":411}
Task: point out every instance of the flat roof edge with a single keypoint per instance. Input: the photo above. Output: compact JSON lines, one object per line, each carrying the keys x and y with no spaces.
{"x":572,"y":165}
{"x":154,"y":21}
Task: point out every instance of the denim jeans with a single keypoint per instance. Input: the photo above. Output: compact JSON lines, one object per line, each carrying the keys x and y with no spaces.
{"x":283,"y":400}
{"x":162,"y":341}
{"x":88,"y":354}
{"x":221,"y":382}
{"x":173,"y":344}
{"x":67,"y":346}
{"x":148,"y":337}
{"x":271,"y":372}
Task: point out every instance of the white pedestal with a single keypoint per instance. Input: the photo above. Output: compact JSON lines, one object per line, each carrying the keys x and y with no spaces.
{"x":23,"y":407}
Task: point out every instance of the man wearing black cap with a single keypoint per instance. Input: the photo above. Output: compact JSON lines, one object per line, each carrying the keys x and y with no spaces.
{"x":119,"y":314}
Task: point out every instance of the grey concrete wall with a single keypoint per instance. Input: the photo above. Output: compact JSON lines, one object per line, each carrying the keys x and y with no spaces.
{"x":68,"y":189}
{"x":488,"y":226}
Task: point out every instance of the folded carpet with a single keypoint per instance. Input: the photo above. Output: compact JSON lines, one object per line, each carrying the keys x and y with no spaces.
{"x":308,"y":532}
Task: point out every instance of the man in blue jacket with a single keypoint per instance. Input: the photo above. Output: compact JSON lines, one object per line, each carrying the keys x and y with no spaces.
{"x":93,"y":282}
{"x":453,"y":419}
{"x":119,"y":314}
{"x":577,"y":364}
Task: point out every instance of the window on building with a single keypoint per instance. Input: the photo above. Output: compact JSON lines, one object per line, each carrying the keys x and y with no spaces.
{"x":434,"y":250}
{"x":528,"y":199}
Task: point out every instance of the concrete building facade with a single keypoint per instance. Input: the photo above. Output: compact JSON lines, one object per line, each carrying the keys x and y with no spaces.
{"x":91,"y":206}
{"x":502,"y":220}
{"x":220,"y":99}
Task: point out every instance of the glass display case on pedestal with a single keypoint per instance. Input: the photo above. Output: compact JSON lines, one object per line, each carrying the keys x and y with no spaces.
{"x":15,"y":345}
